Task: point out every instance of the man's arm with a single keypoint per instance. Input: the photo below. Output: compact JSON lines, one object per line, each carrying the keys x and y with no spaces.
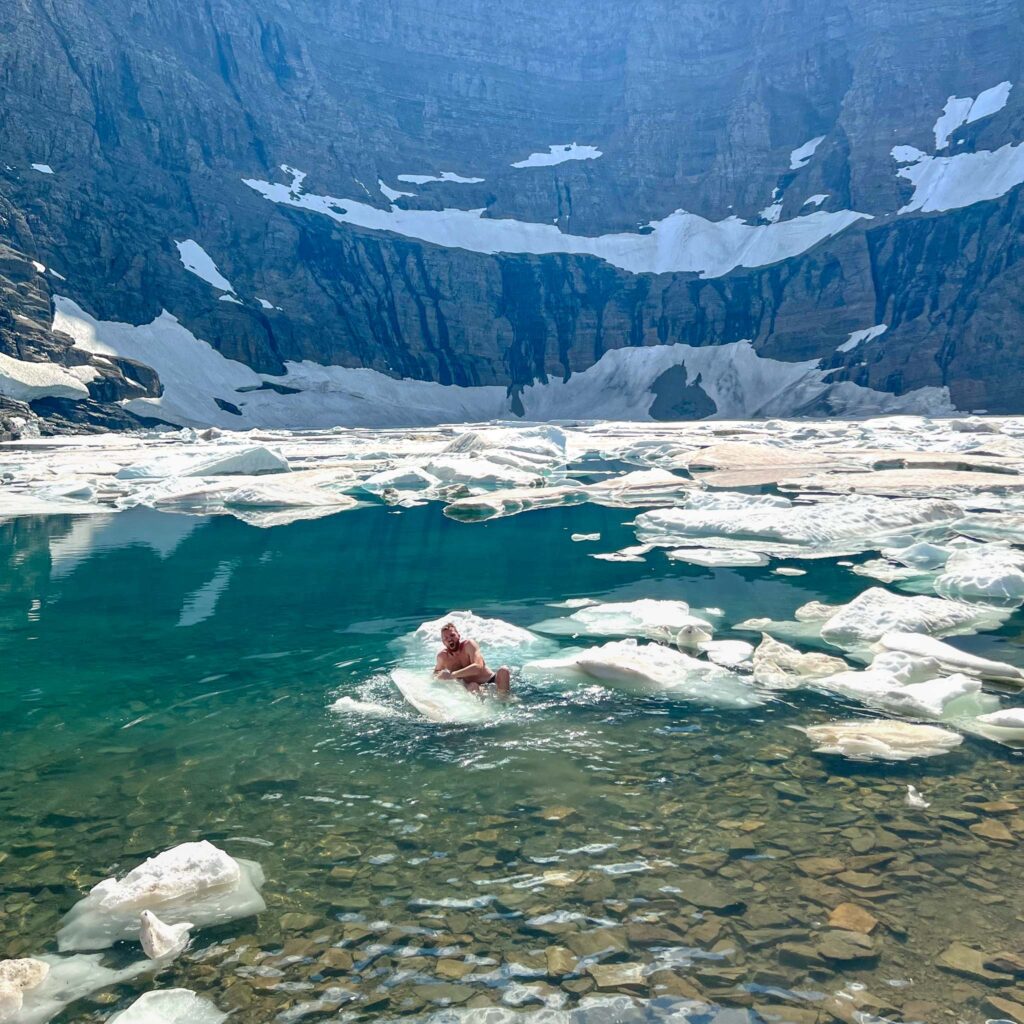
{"x":472,"y":670}
{"x":439,"y":669}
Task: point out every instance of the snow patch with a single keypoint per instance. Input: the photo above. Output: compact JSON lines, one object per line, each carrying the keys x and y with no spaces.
{"x":680,"y":242}
{"x":816,"y":200}
{"x":423,"y":179}
{"x":952,"y":182}
{"x":392,"y":193}
{"x":859,"y":337}
{"x":802,"y":154}
{"x":960,"y":110}
{"x":25,"y":381}
{"x":42,"y":168}
{"x":559,"y":155}
{"x":196,"y":260}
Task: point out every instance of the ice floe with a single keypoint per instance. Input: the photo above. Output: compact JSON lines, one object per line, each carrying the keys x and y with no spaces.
{"x":777,"y":666}
{"x":949,"y":658}
{"x":170,"y":1006}
{"x":501,"y":641}
{"x":195,"y":882}
{"x":992,"y":572}
{"x":445,"y":700}
{"x":648,"y":618}
{"x":1004,"y":726}
{"x":559,"y":154}
{"x":648,"y":669}
{"x":195,"y":259}
{"x":162,"y":941}
{"x":880,"y":739}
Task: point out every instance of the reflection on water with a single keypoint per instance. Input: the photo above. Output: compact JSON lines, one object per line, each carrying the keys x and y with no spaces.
{"x":167,"y":678}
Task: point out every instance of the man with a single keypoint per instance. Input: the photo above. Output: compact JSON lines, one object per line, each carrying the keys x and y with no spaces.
{"x":463,"y":660}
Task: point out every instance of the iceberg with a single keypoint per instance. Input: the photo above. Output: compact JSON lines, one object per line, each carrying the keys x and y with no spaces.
{"x":648,"y":618}
{"x":195,"y":882}
{"x":936,"y":698}
{"x":648,"y":669}
{"x":949,"y":658}
{"x":875,"y":612}
{"x":987,"y":572}
{"x":1003,"y":726}
{"x":170,"y":1006}
{"x":777,"y":666}
{"x":878,"y":739}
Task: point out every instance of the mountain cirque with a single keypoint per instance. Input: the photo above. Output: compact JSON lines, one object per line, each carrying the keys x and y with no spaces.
{"x":434,"y":193}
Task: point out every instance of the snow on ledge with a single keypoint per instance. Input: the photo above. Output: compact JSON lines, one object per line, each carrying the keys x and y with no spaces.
{"x":42,"y":168}
{"x":449,"y":176}
{"x":961,"y":110}
{"x":620,"y":385}
{"x":952,"y":182}
{"x":801,"y":156}
{"x":680,"y":242}
{"x":196,"y":260}
{"x":392,"y":194}
{"x":859,"y":337}
{"x":560,"y":154}
{"x":25,"y":381}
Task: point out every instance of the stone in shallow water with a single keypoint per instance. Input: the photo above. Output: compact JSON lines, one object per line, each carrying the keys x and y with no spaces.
{"x":708,"y":896}
{"x":850,"y":917}
{"x":1005,"y":1009}
{"x":618,"y":976}
{"x":994,"y":830}
{"x":960,"y":958}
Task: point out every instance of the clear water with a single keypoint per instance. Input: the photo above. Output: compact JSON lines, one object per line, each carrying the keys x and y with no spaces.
{"x":167,"y":678}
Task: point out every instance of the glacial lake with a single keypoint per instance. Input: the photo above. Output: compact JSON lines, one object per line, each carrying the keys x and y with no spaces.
{"x":169,"y":678}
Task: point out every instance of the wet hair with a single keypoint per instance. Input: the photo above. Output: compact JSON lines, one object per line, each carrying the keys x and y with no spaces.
{"x":449,"y":625}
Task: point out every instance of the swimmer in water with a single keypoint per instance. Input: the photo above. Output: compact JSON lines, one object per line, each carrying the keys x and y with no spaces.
{"x":463,"y":660}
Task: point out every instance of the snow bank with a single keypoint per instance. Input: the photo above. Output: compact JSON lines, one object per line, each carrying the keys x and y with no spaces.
{"x":801,"y":156}
{"x":26,"y":381}
{"x":559,"y":154}
{"x":961,"y":110}
{"x":680,"y":242}
{"x":195,"y":259}
{"x":193,"y":882}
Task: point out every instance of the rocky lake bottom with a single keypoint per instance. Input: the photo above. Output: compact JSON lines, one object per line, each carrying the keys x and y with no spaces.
{"x":588,"y":853}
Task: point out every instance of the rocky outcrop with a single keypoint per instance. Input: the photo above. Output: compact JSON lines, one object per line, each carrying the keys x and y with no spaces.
{"x":143,"y":121}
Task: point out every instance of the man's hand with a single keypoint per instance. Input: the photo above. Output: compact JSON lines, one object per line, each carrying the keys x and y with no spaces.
{"x":443,"y":674}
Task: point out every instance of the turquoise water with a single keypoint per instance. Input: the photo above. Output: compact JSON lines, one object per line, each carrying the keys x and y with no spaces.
{"x":168,"y":678}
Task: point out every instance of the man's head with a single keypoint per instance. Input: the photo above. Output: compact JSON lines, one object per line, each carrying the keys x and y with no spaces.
{"x":450,"y":636}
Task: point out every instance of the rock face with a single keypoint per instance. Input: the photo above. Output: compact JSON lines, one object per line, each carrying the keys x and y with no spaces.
{"x":130,"y":128}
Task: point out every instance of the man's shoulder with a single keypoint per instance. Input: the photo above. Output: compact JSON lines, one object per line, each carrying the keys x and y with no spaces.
{"x":471,"y":645}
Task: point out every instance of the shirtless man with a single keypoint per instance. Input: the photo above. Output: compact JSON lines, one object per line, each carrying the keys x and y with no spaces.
{"x":462,"y":659}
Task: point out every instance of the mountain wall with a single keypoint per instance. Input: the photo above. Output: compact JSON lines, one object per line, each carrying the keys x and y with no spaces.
{"x":777,"y":172}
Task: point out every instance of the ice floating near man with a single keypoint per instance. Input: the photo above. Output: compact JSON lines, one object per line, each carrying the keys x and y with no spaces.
{"x":878,"y":739}
{"x":951,"y":659}
{"x":170,"y":1006}
{"x":648,"y":669}
{"x":195,"y":882}
{"x":648,"y":618}
{"x":445,"y":700}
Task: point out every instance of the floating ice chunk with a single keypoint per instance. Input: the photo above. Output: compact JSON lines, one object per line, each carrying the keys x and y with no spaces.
{"x":831,"y":529}
{"x":728,"y":653}
{"x":990,"y":572}
{"x":71,"y":978}
{"x":1008,"y":526}
{"x":802,"y":154}
{"x":162,"y":941}
{"x":402,"y":478}
{"x":789,"y":570}
{"x":579,"y":537}
{"x":716,"y":556}
{"x":192,"y":882}
{"x":500,"y":641}
{"x":1005,"y":726}
{"x":24,"y":973}
{"x":444,"y":700}
{"x":695,"y":635}
{"x":777,"y":666}
{"x":574,"y":602}
{"x":648,"y":668}
{"x":242,"y":461}
{"x":25,"y":381}
{"x":559,"y":154}
{"x":915,"y":800}
{"x":648,"y":618}
{"x":170,"y":1006}
{"x":497,"y":504}
{"x":950,"y":658}
{"x":477,"y":471}
{"x":882,"y":740}
{"x":643,"y":487}
{"x":633,"y":553}
{"x":935,"y":698}
{"x":860,"y":337}
{"x":876,"y":612}
{"x":921,"y":555}
{"x":195,"y":259}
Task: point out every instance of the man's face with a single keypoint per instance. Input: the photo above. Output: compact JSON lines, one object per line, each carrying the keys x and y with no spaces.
{"x":450,"y":638}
